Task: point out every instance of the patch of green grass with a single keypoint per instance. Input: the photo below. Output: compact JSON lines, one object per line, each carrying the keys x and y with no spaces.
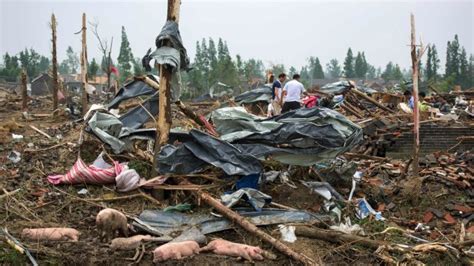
{"x":9,"y":256}
{"x":372,"y":225}
{"x":142,"y":168}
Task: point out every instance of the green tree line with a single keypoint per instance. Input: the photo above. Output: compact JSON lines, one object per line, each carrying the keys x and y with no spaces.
{"x":213,"y":64}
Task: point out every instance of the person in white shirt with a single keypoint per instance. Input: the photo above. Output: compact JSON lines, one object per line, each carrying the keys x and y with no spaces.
{"x":292,"y":94}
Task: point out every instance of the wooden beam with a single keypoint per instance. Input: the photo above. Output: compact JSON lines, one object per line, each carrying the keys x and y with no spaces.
{"x":54,"y":63}
{"x":84,"y":65}
{"x":371,"y":100}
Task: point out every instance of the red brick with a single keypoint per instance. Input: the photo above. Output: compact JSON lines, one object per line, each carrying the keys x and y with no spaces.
{"x":427,"y":217}
{"x":449,"y":219}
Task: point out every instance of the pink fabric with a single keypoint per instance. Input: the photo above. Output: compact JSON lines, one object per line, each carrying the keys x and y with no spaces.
{"x":81,"y":173}
{"x":310,"y":101}
{"x":210,"y":128}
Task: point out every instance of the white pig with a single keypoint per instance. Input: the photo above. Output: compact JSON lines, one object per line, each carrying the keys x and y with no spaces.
{"x":128,"y":243}
{"x":224,"y":247}
{"x":175,"y":250}
{"x":53,"y":234}
{"x":109,"y":222}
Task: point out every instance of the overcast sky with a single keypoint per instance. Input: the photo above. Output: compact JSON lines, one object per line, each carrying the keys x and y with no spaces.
{"x":285,"y":32}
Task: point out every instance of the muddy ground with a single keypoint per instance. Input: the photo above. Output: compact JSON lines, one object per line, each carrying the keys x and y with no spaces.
{"x":40,"y":204}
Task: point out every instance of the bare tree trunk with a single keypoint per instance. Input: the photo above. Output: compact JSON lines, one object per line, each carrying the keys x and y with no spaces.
{"x":54,"y":64}
{"x":164,"y":106}
{"x":416,"y":113}
{"x":109,"y":64}
{"x":24,"y":90}
{"x":84,"y":65}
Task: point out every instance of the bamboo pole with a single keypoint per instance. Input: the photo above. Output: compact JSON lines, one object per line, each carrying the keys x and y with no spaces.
{"x":54,"y":64}
{"x":163,"y":124}
{"x":24,"y":90}
{"x":84,"y":65}
{"x":250,"y":227}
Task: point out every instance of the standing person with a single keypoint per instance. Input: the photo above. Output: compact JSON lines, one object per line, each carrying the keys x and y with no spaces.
{"x":409,"y":98}
{"x":292,"y":94}
{"x":276,"y":95}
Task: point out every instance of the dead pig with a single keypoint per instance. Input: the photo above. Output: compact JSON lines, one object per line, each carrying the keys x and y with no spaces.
{"x":128,"y":243}
{"x":176,"y":250}
{"x":224,"y":247}
{"x":53,"y":234}
{"x":109,"y":222}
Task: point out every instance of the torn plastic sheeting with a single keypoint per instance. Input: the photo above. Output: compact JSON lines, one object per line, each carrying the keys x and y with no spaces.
{"x":338,"y":87}
{"x":254,"y":197}
{"x":324,"y":189}
{"x":139,"y":115}
{"x":236,"y":122}
{"x":263,"y":93}
{"x":201,"y":147}
{"x":300,"y":137}
{"x":166,"y":56}
{"x":162,"y":223}
{"x":130,"y":90}
{"x":107,"y":128}
{"x":169,"y":32}
{"x":116,"y":131}
{"x":179,"y":160}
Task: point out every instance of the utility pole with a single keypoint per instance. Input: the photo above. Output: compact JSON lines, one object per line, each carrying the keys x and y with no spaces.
{"x":54,"y":63}
{"x":415,"y":59}
{"x":24,"y":93}
{"x":84,"y":65}
{"x":164,"y":106}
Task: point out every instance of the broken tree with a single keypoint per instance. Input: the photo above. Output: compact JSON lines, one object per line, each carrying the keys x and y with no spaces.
{"x":24,"y":90}
{"x":54,"y":63}
{"x":415,"y":59}
{"x":84,"y":65}
{"x":164,"y":106}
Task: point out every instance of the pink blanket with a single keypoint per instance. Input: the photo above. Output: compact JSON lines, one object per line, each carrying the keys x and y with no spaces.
{"x":81,"y":173}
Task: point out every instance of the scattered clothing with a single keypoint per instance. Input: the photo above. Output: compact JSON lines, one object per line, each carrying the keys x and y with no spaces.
{"x":92,"y":174}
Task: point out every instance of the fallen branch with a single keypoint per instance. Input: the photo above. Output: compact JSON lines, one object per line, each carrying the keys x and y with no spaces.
{"x":244,"y":223}
{"x":9,"y":193}
{"x":183,"y":187}
{"x":40,"y":131}
{"x":50,"y":148}
{"x":338,"y":237}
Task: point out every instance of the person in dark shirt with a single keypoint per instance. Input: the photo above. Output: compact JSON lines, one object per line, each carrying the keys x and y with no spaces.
{"x":276,"y":102}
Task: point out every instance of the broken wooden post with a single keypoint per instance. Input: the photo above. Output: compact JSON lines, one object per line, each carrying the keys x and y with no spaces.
{"x":250,"y":227}
{"x":84,"y":65}
{"x":415,"y":59}
{"x":163,"y":124}
{"x":24,"y":90}
{"x":54,"y":63}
